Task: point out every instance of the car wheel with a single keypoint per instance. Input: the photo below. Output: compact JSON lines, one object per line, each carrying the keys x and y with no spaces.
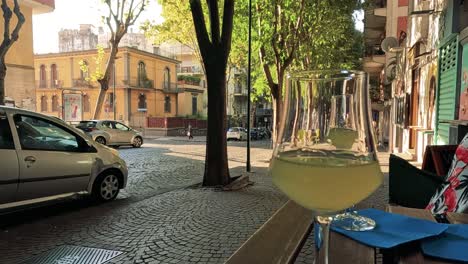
{"x":106,"y":187}
{"x":137,"y":142}
{"x":101,"y":140}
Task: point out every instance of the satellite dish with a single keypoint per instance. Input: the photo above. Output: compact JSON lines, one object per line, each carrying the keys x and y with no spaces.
{"x":390,"y":71}
{"x":390,"y":44}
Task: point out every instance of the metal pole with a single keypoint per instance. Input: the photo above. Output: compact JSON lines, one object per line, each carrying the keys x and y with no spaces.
{"x":249,"y":86}
{"x":113,"y":92}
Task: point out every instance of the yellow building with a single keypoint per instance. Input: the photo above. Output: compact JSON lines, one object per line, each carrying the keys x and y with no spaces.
{"x":145,"y":86}
{"x":19,"y":80}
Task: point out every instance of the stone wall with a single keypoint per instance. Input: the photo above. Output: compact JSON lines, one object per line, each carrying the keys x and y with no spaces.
{"x":19,"y":86}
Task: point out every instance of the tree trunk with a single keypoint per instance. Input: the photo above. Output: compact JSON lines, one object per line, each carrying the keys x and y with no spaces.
{"x":3,"y":70}
{"x":216,"y":161}
{"x":100,"y":101}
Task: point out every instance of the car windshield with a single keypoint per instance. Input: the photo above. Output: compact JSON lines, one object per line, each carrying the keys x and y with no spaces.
{"x":233,"y":129}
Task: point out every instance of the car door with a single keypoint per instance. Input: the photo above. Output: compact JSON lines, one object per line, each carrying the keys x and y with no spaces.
{"x":9,"y":175}
{"x":124,"y":133}
{"x":108,"y":128}
{"x":52,"y":158}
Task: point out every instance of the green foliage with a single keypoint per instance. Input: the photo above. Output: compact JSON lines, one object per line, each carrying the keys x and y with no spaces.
{"x":98,"y":74}
{"x":189,"y":78}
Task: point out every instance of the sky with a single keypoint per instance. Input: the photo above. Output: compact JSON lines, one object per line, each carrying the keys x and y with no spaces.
{"x":69,"y":14}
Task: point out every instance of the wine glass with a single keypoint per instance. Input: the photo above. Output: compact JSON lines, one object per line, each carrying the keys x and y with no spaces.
{"x":325,"y":157}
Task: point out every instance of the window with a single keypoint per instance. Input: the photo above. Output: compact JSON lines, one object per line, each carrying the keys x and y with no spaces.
{"x":110,"y":101}
{"x":42,"y":77}
{"x":55,"y":104}
{"x":38,"y":134}
{"x":167,"y":78}
{"x":194,"y":105}
{"x":142,"y":74}
{"x":167,"y":104}
{"x":43,"y":103}
{"x":120,"y":126}
{"x":53,"y":76}
{"x":142,"y":102}
{"x":86,"y":103}
{"x":107,"y":124}
{"x":6,"y":139}
{"x":233,"y":129}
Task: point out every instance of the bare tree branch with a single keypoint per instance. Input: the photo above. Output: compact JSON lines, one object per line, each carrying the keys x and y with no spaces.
{"x":199,"y":23}
{"x":214,"y":21}
{"x":8,"y":39}
{"x":227,"y":25}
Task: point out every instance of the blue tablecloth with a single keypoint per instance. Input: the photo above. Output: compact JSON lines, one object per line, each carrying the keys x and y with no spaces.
{"x":393,"y":229}
{"x":452,"y":244}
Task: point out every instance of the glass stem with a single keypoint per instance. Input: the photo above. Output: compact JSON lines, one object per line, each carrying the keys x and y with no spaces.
{"x":321,"y":250}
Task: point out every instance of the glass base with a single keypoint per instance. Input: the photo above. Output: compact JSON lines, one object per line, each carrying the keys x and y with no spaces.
{"x":353,"y":222}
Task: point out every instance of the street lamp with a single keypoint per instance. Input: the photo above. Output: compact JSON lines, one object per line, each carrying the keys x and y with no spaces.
{"x":248,"y":168}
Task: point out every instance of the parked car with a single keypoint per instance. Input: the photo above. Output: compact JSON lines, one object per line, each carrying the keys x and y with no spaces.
{"x":42,"y":157}
{"x":254,"y":134}
{"x":264,"y":133}
{"x":111,"y":133}
{"x":237,"y":133}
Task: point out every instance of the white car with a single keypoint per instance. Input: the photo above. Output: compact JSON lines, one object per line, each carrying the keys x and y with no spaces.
{"x":43,"y":157}
{"x":237,"y":133}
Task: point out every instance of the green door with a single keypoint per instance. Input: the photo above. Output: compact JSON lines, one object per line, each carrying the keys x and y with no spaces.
{"x":448,"y":92}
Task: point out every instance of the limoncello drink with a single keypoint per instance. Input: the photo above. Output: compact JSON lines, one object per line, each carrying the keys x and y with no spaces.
{"x":325,"y":183}
{"x":342,"y":138}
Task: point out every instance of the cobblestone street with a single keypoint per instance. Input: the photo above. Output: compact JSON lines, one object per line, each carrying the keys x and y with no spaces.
{"x":163,"y":216}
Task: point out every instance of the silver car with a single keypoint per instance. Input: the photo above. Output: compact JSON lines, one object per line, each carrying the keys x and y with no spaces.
{"x":43,"y":157}
{"x":111,"y":133}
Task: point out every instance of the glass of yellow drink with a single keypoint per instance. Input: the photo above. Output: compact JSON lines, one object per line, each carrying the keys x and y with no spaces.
{"x":324,"y":157}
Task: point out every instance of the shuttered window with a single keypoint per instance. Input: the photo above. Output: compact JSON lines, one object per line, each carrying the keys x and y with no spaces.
{"x":448,"y":91}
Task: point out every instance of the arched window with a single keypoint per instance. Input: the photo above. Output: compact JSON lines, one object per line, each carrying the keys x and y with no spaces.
{"x":42,"y":77}
{"x":142,"y":74}
{"x":84,"y":75}
{"x":43,"y":103}
{"x":55,"y":104}
{"x":167,"y":78}
{"x":53,"y":76}
{"x":86,"y":103}
{"x":142,"y":102}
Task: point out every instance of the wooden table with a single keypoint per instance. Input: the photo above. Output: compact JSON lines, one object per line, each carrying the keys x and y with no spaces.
{"x":345,"y":250}
{"x":280,"y":239}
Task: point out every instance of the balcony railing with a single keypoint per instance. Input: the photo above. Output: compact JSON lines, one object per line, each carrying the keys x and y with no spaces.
{"x":81,"y":83}
{"x":139,"y":82}
{"x":55,"y":84}
{"x":239,"y":91}
{"x":190,"y":69}
{"x":170,"y":87}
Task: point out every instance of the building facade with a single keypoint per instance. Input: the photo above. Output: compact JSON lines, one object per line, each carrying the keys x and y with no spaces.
{"x":426,"y":63}
{"x":142,"y":85}
{"x":19,"y":80}
{"x":80,"y":39}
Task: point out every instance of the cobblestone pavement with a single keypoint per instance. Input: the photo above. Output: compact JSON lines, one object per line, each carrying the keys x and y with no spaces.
{"x":163,"y":216}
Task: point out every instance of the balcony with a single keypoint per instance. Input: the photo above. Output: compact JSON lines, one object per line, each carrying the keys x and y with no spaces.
{"x":239,"y":91}
{"x":139,"y":83}
{"x":263,"y":112}
{"x":190,"y":70}
{"x":169,"y":87}
{"x":374,"y":59}
{"x":44,"y":84}
{"x":81,"y":83}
